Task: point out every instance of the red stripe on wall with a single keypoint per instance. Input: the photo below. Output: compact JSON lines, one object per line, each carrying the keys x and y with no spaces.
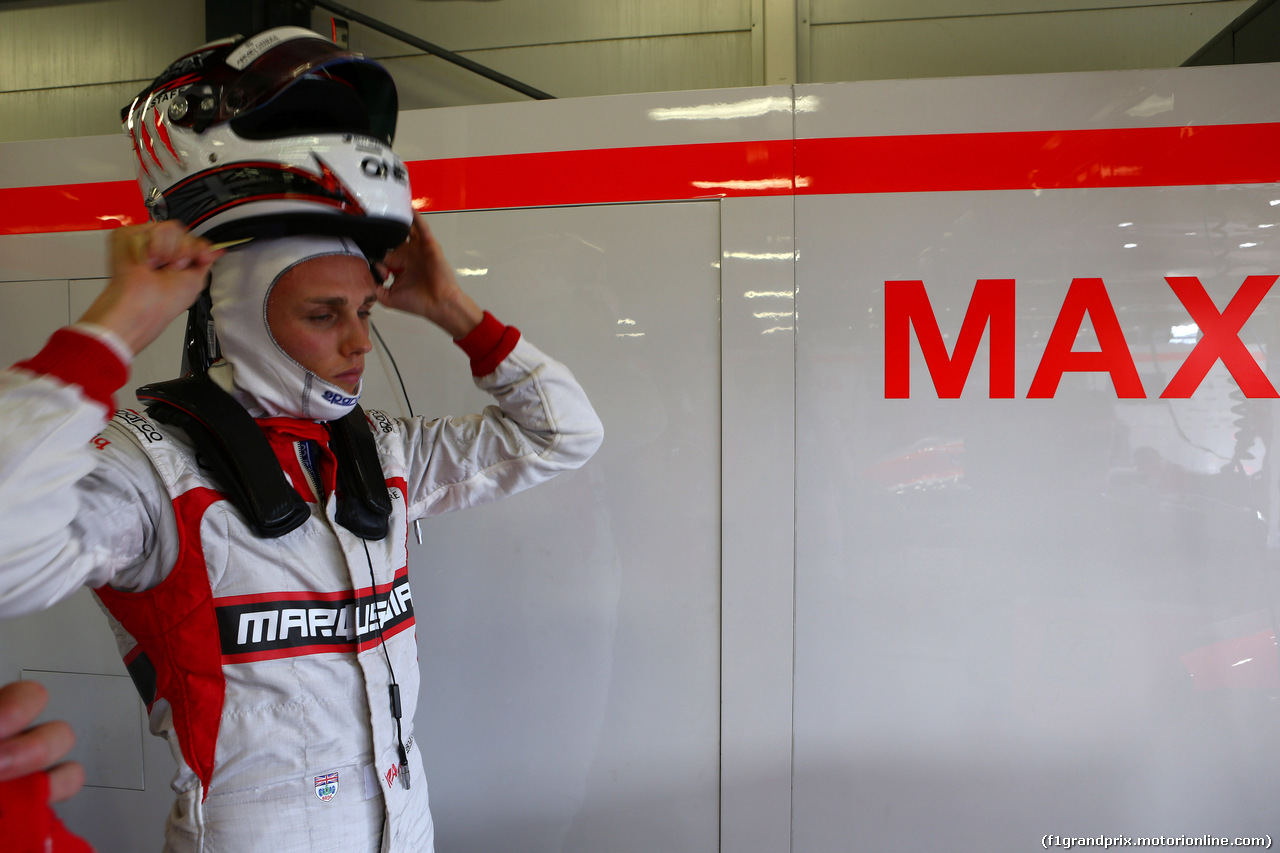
{"x":1067,"y":159}
{"x":1129,"y":157}
{"x":70,"y":207}
{"x":601,"y":176}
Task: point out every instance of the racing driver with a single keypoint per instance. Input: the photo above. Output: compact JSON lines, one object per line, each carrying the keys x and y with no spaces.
{"x":270,"y":631}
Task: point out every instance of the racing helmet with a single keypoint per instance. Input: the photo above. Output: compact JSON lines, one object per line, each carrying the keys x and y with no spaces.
{"x":277,"y":134}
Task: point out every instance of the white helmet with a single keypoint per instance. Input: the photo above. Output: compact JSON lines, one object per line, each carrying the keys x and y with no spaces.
{"x":278,"y":134}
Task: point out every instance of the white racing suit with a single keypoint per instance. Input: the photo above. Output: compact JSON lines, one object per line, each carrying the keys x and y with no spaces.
{"x":266,"y":663}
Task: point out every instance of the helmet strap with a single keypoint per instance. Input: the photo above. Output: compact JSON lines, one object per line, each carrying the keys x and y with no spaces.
{"x":201,"y":341}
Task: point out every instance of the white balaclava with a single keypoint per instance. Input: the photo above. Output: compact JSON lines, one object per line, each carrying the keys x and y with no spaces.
{"x":254,"y":368}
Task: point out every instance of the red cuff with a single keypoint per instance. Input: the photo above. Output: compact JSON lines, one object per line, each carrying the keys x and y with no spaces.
{"x":488,"y":344}
{"x":28,"y":825}
{"x":83,"y":360}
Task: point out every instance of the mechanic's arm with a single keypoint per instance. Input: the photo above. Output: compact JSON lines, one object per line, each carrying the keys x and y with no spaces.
{"x":30,"y":775}
{"x":65,"y":520}
{"x":27,"y":749}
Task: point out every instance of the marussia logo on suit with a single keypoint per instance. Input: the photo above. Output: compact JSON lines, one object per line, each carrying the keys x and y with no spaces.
{"x":279,"y":625}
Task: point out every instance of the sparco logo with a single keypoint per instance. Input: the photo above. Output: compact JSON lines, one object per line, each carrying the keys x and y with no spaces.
{"x":278,"y":627}
{"x":140,"y":424}
{"x":906,"y":305}
{"x":338,"y":399}
{"x":381,"y":420}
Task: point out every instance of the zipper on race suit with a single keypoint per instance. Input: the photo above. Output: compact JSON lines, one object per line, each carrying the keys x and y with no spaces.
{"x":305,"y":451}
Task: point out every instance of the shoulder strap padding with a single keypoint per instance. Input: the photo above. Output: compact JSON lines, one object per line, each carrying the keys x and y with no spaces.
{"x":364,"y":506}
{"x":234,"y":449}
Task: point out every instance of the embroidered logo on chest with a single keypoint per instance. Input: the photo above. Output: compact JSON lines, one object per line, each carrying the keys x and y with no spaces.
{"x":327,"y":786}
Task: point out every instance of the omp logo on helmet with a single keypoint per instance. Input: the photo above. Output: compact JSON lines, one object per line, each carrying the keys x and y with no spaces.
{"x":290,"y":624}
{"x":338,"y":399}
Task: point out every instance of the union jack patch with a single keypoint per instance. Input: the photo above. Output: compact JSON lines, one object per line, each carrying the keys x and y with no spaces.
{"x":327,"y":786}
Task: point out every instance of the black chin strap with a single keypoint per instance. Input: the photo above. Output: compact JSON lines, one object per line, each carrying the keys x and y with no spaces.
{"x":364,"y":504}
{"x":240,"y":457}
{"x":200,"y":344}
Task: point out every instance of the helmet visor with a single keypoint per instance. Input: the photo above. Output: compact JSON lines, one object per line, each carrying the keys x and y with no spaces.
{"x":343,"y":92}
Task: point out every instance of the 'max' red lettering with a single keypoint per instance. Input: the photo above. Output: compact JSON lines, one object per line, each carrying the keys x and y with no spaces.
{"x":1087,"y":295}
{"x":906,"y":304}
{"x":1221,"y":339}
{"x":992,"y":305}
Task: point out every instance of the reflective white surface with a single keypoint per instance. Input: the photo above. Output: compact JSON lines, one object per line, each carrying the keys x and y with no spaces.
{"x":757,"y":329}
{"x":672,"y":118}
{"x":1231,"y":94}
{"x":1013,"y":615}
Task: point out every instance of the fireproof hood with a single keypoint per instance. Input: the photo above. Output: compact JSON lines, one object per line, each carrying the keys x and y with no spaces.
{"x":254,"y":368}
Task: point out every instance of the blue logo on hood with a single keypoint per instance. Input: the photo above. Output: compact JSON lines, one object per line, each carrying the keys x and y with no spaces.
{"x":339,"y":400}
